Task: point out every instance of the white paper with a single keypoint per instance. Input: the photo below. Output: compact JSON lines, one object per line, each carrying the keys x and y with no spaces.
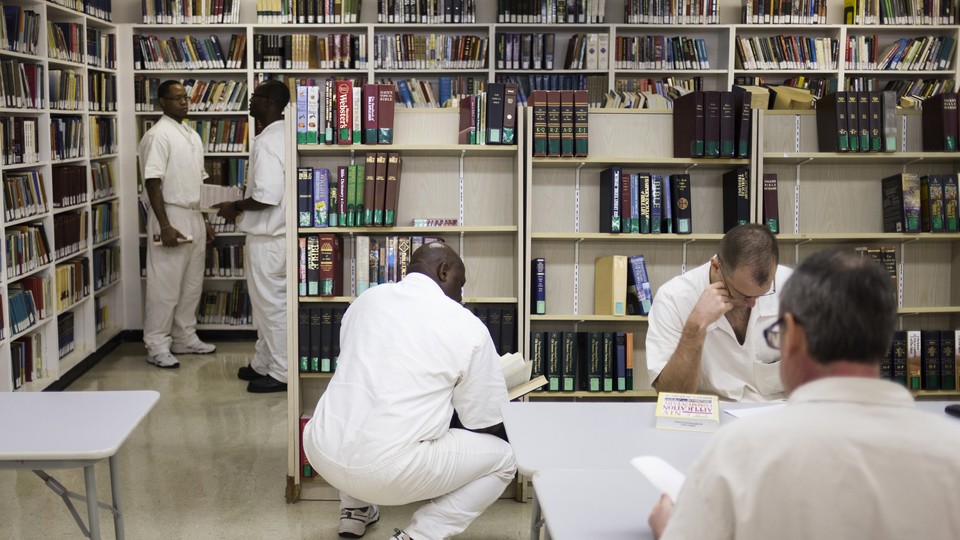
{"x":753,"y":411}
{"x":516,"y":370}
{"x":662,"y":475}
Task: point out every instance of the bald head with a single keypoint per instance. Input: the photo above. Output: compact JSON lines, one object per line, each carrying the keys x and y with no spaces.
{"x":440,"y":263}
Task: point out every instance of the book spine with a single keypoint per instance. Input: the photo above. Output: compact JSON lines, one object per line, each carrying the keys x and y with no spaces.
{"x":538,"y":286}
{"x":371,"y":98}
{"x":304,"y":196}
{"x":581,"y":125}
{"x":385,"y":113}
{"x":566,"y":123}
{"x":771,"y":205}
{"x":948,"y":360}
{"x":321,"y":194}
{"x":899,"y":355}
{"x":682,"y":212}
{"x":568,"y":371}
{"x":914,"y":363}
{"x":554,"y":361}
{"x":930,"y":359}
{"x":344,"y":119}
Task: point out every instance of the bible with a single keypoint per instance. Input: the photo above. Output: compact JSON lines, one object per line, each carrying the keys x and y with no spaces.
{"x":516,"y":373}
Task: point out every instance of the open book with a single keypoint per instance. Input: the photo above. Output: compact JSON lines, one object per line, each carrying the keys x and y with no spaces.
{"x":516,"y":373}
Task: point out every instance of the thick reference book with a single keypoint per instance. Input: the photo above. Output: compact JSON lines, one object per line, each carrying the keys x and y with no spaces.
{"x":538,"y":286}
{"x":639,"y":295}
{"x":581,"y":117}
{"x":832,"y":133}
{"x":948,"y":359}
{"x":688,"y":125}
{"x":610,"y":285}
{"x":901,"y":203}
{"x":610,"y":192}
{"x":680,"y":195}
{"x":930,"y":359}
{"x":736,"y":198}
{"x":517,"y":373}
{"x":687,"y":412}
{"x":931,"y":204}
{"x":771,"y":204}
{"x":940,"y":123}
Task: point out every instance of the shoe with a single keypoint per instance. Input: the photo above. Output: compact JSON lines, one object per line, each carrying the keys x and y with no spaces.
{"x":265,"y":385}
{"x":247,"y":373}
{"x":197,"y":347}
{"x":354,"y":521}
{"x":164,"y":360}
{"x":398,"y":534}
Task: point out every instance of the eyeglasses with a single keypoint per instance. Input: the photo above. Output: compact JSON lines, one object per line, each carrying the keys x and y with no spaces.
{"x":739,"y":295}
{"x":183,"y":97}
{"x":772,"y":333}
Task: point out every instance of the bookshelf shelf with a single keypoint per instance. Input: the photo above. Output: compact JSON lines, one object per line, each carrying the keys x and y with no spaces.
{"x":325,"y":299}
{"x":106,"y":288}
{"x":105,"y":199}
{"x":74,"y":305}
{"x":107,"y":334}
{"x":35,"y":327}
{"x":75,"y":356}
{"x":21,"y":166}
{"x":632,"y":238}
{"x":466,"y":150}
{"x":194,"y":114}
{"x":588,"y":318}
{"x":598,"y":395}
{"x":201,"y":71}
{"x":36,"y":386}
{"x":61,"y":210}
{"x":894,"y":72}
{"x":108,"y":241}
{"x":490,"y":300}
{"x":37,"y":270}
{"x":868,"y":237}
{"x":208,"y":326}
{"x":797,"y":158}
{"x":417,"y":231}
{"x":53,"y":62}
{"x":316,"y":375}
{"x":26,"y":111}
{"x":20,"y":55}
{"x":929,"y":310}
{"x":69,"y":161}
{"x":104,"y":157}
{"x":28,"y":219}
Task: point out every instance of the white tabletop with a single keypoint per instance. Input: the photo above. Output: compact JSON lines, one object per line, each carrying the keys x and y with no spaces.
{"x":42,"y":426}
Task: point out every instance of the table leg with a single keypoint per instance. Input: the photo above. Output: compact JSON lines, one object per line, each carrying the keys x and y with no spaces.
{"x":115,"y":493}
{"x":93,"y":508}
{"x":535,"y":522}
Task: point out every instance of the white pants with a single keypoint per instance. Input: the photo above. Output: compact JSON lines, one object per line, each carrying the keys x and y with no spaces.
{"x":266,"y":268}
{"x":174,"y":282}
{"x":462,"y":472}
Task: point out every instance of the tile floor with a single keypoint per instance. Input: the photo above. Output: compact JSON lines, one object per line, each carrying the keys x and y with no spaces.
{"x":209,"y":462}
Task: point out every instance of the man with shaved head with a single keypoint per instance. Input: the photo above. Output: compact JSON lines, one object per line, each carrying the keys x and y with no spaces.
{"x":411,"y":356}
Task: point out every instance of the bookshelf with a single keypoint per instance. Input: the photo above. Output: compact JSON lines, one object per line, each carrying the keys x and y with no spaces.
{"x":61,"y":183}
{"x":480,"y":186}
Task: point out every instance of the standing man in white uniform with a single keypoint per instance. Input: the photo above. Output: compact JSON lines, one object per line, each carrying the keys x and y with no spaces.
{"x":171,"y":161}
{"x":411,"y":355}
{"x":850,"y":456}
{"x":261,"y":215}
{"x":705,"y":333}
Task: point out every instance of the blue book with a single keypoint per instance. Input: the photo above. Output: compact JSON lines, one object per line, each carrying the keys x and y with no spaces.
{"x":656,"y":200}
{"x":538,"y":286}
{"x":445,"y":90}
{"x":321,"y":197}
{"x":667,"y":223}
{"x":620,"y":368}
{"x":405,"y":95}
{"x":639,"y":296}
{"x":634,"y":204}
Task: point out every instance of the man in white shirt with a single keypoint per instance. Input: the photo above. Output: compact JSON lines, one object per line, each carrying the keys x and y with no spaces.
{"x":411,"y":355}
{"x":261,"y":215}
{"x":705,"y":327}
{"x":171,"y":162}
{"x":850,"y":456}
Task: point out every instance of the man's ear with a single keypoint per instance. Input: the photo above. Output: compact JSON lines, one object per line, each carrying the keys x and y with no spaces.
{"x":794,"y":337}
{"x":443,"y":272}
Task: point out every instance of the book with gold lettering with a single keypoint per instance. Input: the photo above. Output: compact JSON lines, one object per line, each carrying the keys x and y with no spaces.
{"x":687,"y":412}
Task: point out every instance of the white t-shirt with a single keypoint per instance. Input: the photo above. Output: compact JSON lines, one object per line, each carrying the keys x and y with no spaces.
{"x":265,"y":183}
{"x":848,"y":457}
{"x":409,"y":356}
{"x":748,"y":372}
{"x":173,"y":152}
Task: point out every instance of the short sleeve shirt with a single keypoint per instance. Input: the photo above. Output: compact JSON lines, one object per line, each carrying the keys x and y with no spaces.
{"x":172,"y":152}
{"x":266,"y":183}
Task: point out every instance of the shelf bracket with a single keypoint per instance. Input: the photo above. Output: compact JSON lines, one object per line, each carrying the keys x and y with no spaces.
{"x":796,"y":248}
{"x":903,"y":133}
{"x":796,"y":186}
{"x":460,"y":220}
{"x":909,"y":163}
{"x":576,"y":276}
{"x":576,"y":199}
{"x":903,"y":245}
{"x":690,"y":168}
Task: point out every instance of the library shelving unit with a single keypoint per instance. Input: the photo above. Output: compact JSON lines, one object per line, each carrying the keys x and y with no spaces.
{"x":479,"y":185}
{"x":831,"y":199}
{"x":60,"y":193}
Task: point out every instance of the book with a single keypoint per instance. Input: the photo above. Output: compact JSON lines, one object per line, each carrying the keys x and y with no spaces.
{"x":494,"y":110}
{"x":771,"y":204}
{"x":392,"y":193}
{"x":304,"y":196}
{"x":930,"y":359}
{"x":581,"y":121}
{"x":832,"y":133}
{"x":538,"y":286}
{"x":743,"y":119}
{"x":566,"y":123}
{"x":639,"y":295}
{"x":610,"y":285}
{"x":940,"y":123}
{"x":610,"y":192}
{"x":538,"y":102}
{"x":554,"y":361}
{"x":183,"y":239}
{"x":687,"y":412}
{"x":736,"y":198}
{"x":385,"y":112}
{"x":519,"y":376}
{"x":680,"y":196}
{"x":899,"y":357}
{"x":914,"y":362}
{"x":888,"y":130}
{"x":901,"y":203}
{"x":711,"y":124}
{"x":688,"y":125}
{"x":932,"y":212}
{"x":948,"y":359}
{"x":951,"y":207}
{"x":568,"y":368}
{"x":553,"y":124}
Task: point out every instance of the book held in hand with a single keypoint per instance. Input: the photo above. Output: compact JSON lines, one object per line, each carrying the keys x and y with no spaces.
{"x":687,"y":412}
{"x":182,"y":240}
{"x":516,"y":373}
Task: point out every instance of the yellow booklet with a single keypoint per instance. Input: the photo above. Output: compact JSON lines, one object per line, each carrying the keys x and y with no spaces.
{"x":687,"y":412}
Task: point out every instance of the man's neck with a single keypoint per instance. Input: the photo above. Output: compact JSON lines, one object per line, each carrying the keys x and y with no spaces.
{"x":847,"y":368}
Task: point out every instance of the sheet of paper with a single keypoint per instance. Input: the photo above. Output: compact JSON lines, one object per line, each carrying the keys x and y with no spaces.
{"x":753,"y":411}
{"x":662,"y":475}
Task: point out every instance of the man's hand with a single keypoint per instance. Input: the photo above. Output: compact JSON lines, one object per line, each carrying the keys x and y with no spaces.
{"x":169,"y":236}
{"x":660,"y":515}
{"x":210,"y":234}
{"x":714,"y":303}
{"x":227,"y":210}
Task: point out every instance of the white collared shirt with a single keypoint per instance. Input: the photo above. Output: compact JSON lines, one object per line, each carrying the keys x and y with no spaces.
{"x":266,"y":183}
{"x":173,"y":152}
{"x":848,"y":457}
{"x":748,"y":372}
{"x":409,"y":356}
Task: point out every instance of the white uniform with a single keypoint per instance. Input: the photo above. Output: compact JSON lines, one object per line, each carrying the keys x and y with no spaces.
{"x":848,"y":457}
{"x":748,"y":372}
{"x":409,"y":356}
{"x":173,"y":152}
{"x":266,"y":260}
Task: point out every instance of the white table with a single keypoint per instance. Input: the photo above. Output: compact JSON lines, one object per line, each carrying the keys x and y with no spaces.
{"x":60,"y":430}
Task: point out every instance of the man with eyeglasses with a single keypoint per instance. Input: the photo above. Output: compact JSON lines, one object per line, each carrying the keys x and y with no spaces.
{"x":705,"y":332}
{"x":850,"y":455}
{"x":171,"y":162}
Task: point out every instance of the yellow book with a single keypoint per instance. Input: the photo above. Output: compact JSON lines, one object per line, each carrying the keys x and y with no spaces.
{"x":610,"y":286}
{"x":687,"y":412}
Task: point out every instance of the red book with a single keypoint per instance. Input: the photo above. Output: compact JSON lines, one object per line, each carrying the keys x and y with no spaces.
{"x":344,"y":94}
{"x":331,"y":265}
{"x":385,"y":107}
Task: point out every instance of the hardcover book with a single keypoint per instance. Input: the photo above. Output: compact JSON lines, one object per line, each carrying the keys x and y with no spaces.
{"x":682,"y":212}
{"x":610,"y":285}
{"x":687,"y":412}
{"x":736,"y":198}
{"x":581,"y":130}
{"x":610,"y":192}
{"x":538,"y":286}
{"x":948,"y":360}
{"x":771,"y":205}
{"x":519,"y":375}
{"x":385,"y":113}
{"x":901,"y":203}
{"x":940,"y":123}
{"x":930,"y":359}
{"x":688,"y":125}
{"x":832,"y":133}
{"x":932,"y":212}
{"x":914,"y":362}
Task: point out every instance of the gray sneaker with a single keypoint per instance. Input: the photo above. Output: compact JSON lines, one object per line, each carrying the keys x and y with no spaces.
{"x":354,"y":521}
{"x":398,"y":534}
{"x":164,"y":360}
{"x":197,"y":347}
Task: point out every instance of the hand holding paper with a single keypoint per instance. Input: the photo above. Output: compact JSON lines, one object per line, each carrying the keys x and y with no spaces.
{"x":661,"y":474}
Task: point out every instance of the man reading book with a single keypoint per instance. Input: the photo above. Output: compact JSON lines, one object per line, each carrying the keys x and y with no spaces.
{"x":850,"y":455}
{"x":411,"y":355}
{"x":705,"y":332}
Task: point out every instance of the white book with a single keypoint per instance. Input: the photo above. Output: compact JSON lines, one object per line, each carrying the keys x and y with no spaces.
{"x":516,"y":374}
{"x":362,"y":263}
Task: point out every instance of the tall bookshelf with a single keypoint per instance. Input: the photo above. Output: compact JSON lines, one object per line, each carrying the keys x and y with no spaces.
{"x":77,"y":214}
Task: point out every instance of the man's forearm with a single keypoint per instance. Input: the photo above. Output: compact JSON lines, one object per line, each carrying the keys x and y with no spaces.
{"x":251,"y":204}
{"x":155,"y":195}
{"x":682,"y":372}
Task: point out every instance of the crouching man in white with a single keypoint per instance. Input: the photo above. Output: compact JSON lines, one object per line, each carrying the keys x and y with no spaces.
{"x":411,"y":355}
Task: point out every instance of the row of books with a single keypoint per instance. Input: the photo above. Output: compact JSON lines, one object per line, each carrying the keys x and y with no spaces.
{"x":784,"y":12}
{"x":306,"y":51}
{"x":525,"y":50}
{"x":101,"y":49}
{"x":151,"y":52}
{"x":644,"y":203}
{"x":364,"y":194}
{"x":66,"y":334}
{"x":226,"y":171}
{"x":583,"y":361}
{"x":595,"y":85}
{"x":857,"y":122}
{"x":203,"y":95}
{"x":621,"y":286}
{"x":19,"y":29}
{"x":490,"y":117}
{"x":922,"y":359}
{"x":712,"y":124}
{"x":101,"y":9}
{"x":104,"y":183}
{"x":668,"y":11}
{"x":910,"y":92}
{"x":226,"y":307}
{"x":217,"y":134}
{"x":551,"y":11}
{"x":64,"y":41}
{"x":102,"y":92}
{"x":26,"y":248}
{"x":106,"y":266}
{"x":639,"y":93}
{"x":66,"y":137}
{"x":660,"y":52}
{"x":340,"y":112}
{"x":913,"y":203}
{"x":103,"y":135}
{"x":941,"y":123}
{"x":21,"y":84}
{"x":308,"y":11}
{"x":190,"y":11}
{"x":318,"y":338}
{"x":27,"y":302}
{"x":501,"y":322}
{"x":427,"y":11}
{"x":101,"y":314}
{"x":73,"y":282}
{"x":224,"y":261}
{"x":929,"y":53}
{"x":560,"y":123}
{"x":430,"y":51}
{"x":24,"y":195}
{"x":885,"y":255}
{"x":69,"y":233}
{"x":18,"y":139}
{"x":786,"y":52}
{"x":106,"y":221}
{"x":26,"y":357}
{"x":912,"y":12}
